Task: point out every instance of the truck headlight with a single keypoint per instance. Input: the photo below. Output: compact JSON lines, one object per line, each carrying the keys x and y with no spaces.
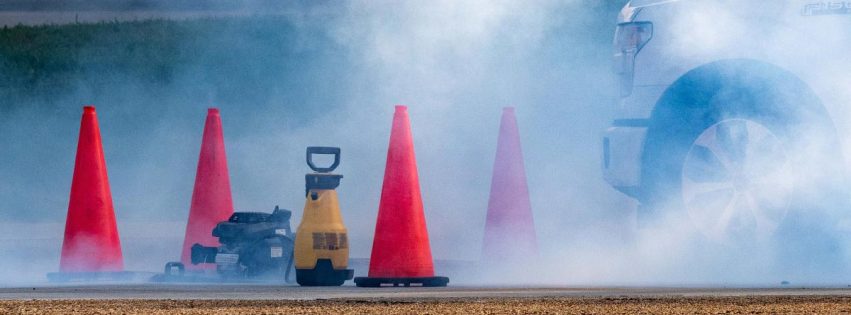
{"x":629,"y":39}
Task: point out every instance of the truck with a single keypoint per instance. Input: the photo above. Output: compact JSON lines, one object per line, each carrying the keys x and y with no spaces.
{"x":734,"y":116}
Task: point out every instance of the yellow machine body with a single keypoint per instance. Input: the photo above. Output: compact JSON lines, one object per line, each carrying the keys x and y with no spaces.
{"x":321,"y":240}
{"x":321,"y":233}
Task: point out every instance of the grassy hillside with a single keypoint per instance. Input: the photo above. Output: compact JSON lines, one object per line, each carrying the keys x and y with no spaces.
{"x":238,"y":60}
{"x":51,"y":59}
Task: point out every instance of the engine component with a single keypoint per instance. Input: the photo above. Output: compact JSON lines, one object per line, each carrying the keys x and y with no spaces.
{"x":253,"y":245}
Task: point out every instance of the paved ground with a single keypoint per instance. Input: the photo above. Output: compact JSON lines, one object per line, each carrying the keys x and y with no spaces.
{"x":259,"y":299}
{"x":622,"y":305}
{"x":274,"y":292}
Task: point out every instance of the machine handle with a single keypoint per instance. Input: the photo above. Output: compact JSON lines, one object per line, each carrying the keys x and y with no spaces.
{"x":323,"y":150}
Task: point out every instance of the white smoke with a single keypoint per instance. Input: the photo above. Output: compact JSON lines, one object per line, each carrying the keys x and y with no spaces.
{"x":455,"y":64}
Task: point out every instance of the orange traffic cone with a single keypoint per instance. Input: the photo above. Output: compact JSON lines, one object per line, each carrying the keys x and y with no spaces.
{"x":91,"y":243}
{"x":509,"y":229}
{"x":401,"y":254}
{"x":211,"y":198}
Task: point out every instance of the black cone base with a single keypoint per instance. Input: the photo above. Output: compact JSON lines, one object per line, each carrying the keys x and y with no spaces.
{"x":323,"y":274}
{"x":402,"y":282}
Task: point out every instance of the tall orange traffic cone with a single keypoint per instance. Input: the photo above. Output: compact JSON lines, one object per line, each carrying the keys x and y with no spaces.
{"x":211,"y":198}
{"x":401,"y":254}
{"x":91,"y":241}
{"x":509,"y":229}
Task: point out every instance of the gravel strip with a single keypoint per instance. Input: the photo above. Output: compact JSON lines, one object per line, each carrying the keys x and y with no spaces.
{"x":562,"y":305}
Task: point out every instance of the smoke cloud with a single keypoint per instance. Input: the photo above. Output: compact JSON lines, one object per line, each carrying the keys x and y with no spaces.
{"x":329,"y":74}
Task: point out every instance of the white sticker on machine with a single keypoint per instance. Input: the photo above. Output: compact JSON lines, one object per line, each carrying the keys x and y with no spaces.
{"x":227,"y":259}
{"x":277,"y":252}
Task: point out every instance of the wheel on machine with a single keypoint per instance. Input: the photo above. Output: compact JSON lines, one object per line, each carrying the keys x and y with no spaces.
{"x":323,"y":274}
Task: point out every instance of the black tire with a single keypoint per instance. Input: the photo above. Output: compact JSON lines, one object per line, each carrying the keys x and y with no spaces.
{"x":778,"y":101}
{"x":323,"y":274}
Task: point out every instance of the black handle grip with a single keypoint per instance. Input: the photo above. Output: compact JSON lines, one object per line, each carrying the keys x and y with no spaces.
{"x":323,"y":150}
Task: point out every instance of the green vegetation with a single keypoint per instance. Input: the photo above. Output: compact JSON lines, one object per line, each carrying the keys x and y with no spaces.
{"x":227,"y":57}
{"x":48,"y":54}
{"x":48,"y":60}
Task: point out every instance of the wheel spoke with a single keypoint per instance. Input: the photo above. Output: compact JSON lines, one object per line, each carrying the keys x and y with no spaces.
{"x":732,"y":138}
{"x":743,"y":223}
{"x":766,"y":157}
{"x":771,"y":200}
{"x":756,"y":132}
{"x":766,"y":217}
{"x":692,"y":189}
{"x":723,"y":222}
{"x":702,"y":165}
{"x":707,"y":140}
{"x":703,"y":207}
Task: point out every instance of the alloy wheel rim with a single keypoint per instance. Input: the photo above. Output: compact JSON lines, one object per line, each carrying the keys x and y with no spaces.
{"x":737,"y":181}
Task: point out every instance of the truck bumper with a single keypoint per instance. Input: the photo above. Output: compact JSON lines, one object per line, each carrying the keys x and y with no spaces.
{"x":622,"y":149}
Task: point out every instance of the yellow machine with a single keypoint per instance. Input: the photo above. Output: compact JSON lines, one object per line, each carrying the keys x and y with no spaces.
{"x":321,"y":241}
